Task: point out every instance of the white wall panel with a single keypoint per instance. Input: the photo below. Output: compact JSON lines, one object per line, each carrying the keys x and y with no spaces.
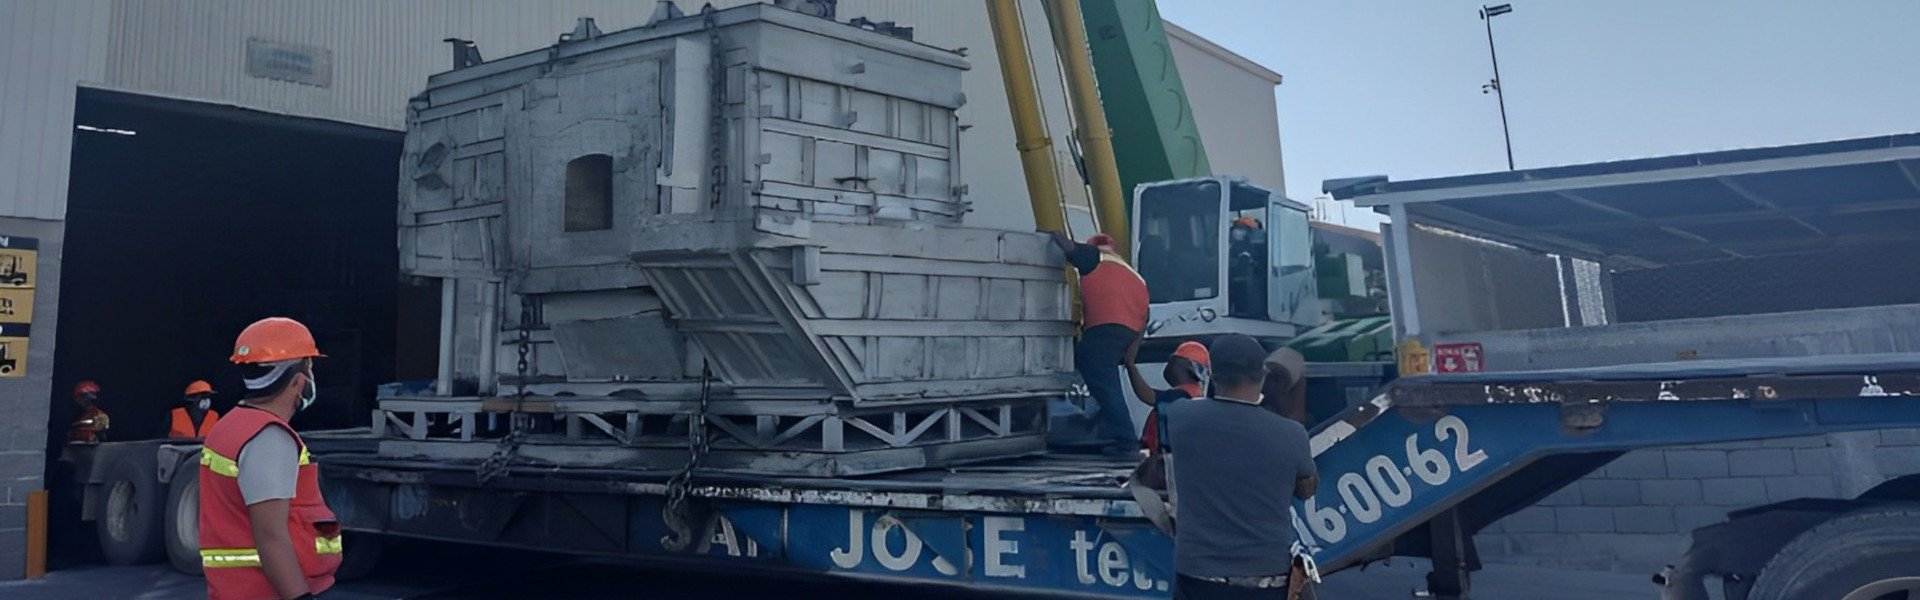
{"x":45,"y":47}
{"x":1234,"y":108}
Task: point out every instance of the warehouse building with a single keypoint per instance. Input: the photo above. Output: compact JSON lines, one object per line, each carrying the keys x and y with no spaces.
{"x":171,"y":170}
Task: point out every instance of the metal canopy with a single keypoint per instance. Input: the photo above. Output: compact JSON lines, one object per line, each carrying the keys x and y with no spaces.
{"x":1677,"y":209}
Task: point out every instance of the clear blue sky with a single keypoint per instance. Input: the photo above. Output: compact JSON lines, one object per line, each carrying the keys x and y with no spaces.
{"x":1392,"y":87}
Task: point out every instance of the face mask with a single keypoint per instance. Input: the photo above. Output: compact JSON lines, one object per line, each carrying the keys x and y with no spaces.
{"x":311,"y":393}
{"x":205,"y":403}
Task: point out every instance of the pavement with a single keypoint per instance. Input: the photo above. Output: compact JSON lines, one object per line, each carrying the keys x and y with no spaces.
{"x":437,"y":575}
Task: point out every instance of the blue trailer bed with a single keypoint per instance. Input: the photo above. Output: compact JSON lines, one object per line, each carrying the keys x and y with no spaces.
{"x":1414,"y":472}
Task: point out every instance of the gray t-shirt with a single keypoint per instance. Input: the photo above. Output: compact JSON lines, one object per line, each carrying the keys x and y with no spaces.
{"x":1234,"y":466}
{"x":269,"y":467}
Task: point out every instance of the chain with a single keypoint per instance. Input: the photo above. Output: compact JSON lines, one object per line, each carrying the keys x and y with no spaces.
{"x":517,"y":420}
{"x":675,"y":512}
{"x":717,"y":105}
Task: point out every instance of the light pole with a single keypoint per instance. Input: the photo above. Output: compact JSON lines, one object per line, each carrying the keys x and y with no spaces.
{"x":1487,"y":13}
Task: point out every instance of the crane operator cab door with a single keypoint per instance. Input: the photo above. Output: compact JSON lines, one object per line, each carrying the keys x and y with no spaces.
{"x":1221,"y":255}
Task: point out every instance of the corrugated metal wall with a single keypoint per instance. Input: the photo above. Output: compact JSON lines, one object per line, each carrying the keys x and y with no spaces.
{"x":44,"y":48}
{"x":381,"y":53}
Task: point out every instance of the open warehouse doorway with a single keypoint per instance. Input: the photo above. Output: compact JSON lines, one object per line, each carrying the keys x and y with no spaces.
{"x":187,"y":221}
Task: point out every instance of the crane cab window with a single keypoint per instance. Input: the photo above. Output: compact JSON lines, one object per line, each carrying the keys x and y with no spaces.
{"x":1179,"y":241}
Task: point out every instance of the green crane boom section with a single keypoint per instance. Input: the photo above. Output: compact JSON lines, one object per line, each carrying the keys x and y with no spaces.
{"x":1154,"y":136}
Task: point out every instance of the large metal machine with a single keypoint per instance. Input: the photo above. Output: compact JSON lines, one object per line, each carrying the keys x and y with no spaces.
{"x":747,"y":219}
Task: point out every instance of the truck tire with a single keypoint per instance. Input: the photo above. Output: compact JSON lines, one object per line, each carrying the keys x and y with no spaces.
{"x":360,"y":555}
{"x":183,"y":521}
{"x":1866,"y":555}
{"x":131,"y":517}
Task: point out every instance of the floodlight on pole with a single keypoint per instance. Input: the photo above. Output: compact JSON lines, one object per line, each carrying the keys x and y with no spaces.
{"x":1487,"y":13}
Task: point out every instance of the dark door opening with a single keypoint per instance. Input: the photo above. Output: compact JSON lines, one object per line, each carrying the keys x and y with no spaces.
{"x":206,"y":219}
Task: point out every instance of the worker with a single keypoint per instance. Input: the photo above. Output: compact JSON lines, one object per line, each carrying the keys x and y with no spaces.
{"x":1185,"y":373}
{"x":1286,"y":386}
{"x":90,"y":426}
{"x":265,"y":531}
{"x":1236,"y":472}
{"x":1114,"y":306}
{"x":1247,"y":263}
{"x":1244,"y":228}
{"x":194,"y":416}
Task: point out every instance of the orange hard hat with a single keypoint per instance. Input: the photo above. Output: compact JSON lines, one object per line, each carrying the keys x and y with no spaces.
{"x":86,"y":387}
{"x":199,"y":386}
{"x":272,"y":340}
{"x":1194,"y":352}
{"x":1100,"y":240}
{"x":1247,"y":222}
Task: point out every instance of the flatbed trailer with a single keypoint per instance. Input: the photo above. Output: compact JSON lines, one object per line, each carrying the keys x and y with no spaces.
{"x":1414,"y":472}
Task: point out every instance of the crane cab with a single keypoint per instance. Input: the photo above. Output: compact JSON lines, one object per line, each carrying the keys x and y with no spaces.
{"x":1221,"y":255}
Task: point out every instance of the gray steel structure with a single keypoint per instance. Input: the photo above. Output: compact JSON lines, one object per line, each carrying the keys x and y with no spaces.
{"x":748,"y":218}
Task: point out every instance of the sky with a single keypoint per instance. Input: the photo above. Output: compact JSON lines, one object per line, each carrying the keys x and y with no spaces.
{"x":1392,"y":87}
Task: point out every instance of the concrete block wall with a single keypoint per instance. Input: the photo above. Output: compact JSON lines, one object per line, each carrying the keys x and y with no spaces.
{"x":25,"y":401}
{"x":1636,"y":514}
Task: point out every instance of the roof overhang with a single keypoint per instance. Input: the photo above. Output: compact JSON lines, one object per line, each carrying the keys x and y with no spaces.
{"x":1678,"y":209}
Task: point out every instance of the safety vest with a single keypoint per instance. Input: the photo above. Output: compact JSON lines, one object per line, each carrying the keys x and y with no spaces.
{"x":1150,"y":433}
{"x":183,"y":426}
{"x":231,"y":562}
{"x":86,"y":428}
{"x":1114,"y":294}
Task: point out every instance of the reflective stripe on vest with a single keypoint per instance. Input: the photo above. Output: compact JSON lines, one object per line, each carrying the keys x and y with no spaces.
{"x":226,"y":527}
{"x":221,"y":558}
{"x":222,"y":465}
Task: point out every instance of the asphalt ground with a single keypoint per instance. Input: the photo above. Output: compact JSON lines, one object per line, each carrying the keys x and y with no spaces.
{"x":435,"y":572}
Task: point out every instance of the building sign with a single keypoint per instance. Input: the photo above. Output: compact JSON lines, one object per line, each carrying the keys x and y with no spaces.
{"x":19,"y":272}
{"x":1413,"y":358}
{"x":1458,"y":358}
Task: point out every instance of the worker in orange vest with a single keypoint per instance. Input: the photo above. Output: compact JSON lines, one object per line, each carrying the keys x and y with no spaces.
{"x":1113,"y":299}
{"x":90,"y":426}
{"x":1186,"y":377}
{"x":265,"y":532}
{"x":194,"y":417}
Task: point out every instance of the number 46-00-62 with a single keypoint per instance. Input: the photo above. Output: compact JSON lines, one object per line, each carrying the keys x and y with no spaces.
{"x":1382,"y":483}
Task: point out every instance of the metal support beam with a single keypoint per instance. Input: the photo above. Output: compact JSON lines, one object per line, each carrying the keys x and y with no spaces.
{"x":1452,"y":555}
{"x":1402,"y":257}
{"x":1030,"y":132}
{"x":1090,"y":122}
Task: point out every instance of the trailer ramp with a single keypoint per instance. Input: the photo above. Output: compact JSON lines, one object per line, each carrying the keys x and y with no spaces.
{"x":1433,"y":459}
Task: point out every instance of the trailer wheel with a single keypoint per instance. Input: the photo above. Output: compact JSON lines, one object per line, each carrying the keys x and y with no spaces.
{"x":1868,"y":555}
{"x":130,"y":519}
{"x":183,"y":520}
{"x":361,"y":555}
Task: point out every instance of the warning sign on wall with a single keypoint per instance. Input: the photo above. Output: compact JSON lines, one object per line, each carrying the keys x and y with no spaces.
{"x":1457,"y":358}
{"x":19,"y":266}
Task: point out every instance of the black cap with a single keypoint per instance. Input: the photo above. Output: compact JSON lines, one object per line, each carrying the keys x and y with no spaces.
{"x":1237,"y":359}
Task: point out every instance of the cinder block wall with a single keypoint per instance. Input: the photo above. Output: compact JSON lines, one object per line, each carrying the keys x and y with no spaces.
{"x":1636,"y":514}
{"x":25,"y":400}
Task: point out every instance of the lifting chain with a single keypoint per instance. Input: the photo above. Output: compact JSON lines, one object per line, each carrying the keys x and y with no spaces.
{"x":716,"y":107}
{"x":518,"y":422}
{"x":681,"y":523}
{"x":675,"y":512}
